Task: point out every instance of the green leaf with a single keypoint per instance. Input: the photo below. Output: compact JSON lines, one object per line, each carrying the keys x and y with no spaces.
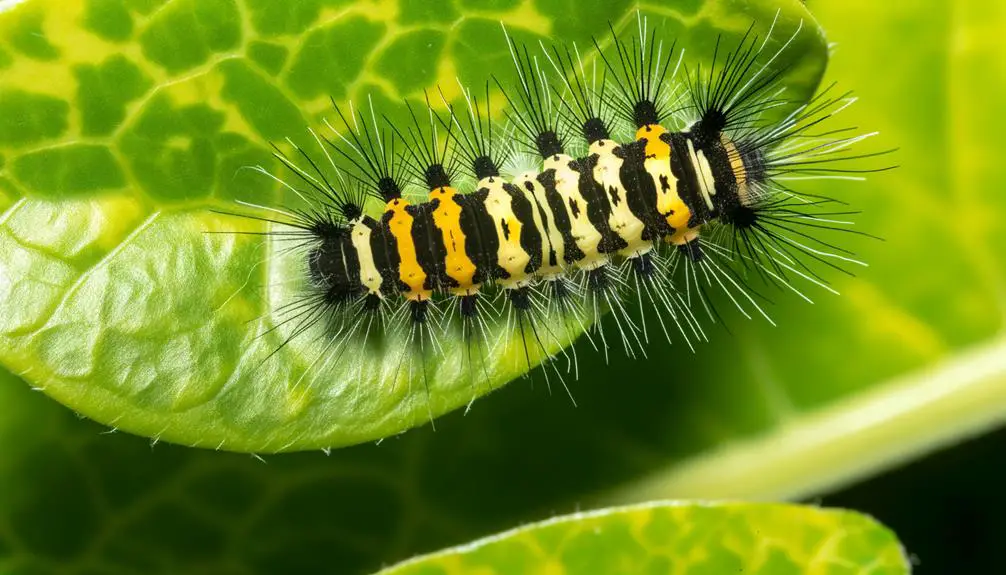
{"x":668,"y":537}
{"x":123,"y":123}
{"x":77,"y":499}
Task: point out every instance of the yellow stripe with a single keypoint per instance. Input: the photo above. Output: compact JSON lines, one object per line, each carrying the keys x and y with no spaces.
{"x":369,"y":276}
{"x":552,"y":240}
{"x":704,"y":175}
{"x":586,"y":236}
{"x":622,"y":221}
{"x":447,"y":219}
{"x":658,"y":165}
{"x":511,"y":255}
{"x":409,"y":270}
{"x":740,"y":172}
{"x":683,"y":236}
{"x":655,"y":147}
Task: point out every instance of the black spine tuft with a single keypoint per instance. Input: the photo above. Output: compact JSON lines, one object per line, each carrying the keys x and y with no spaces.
{"x":369,"y":156}
{"x":484,"y":167}
{"x":598,"y":280}
{"x":742,"y":217}
{"x":644,"y":113}
{"x":595,"y":130}
{"x":693,"y":250}
{"x":731,"y":93}
{"x":436,"y":176}
{"x":388,"y":189}
{"x":428,"y":162}
{"x":475,"y":144}
{"x":371,"y":302}
{"x":643,"y":265}
{"x":520,"y":298}
{"x":640,"y":71}
{"x":468,"y":306}
{"x":582,"y":102}
{"x":548,"y":144}
{"x":419,"y":310}
{"x":351,"y":211}
{"x":531,"y":109}
{"x":712,"y":123}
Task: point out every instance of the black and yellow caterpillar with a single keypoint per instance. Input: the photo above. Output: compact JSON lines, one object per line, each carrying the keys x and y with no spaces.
{"x":694,"y":200}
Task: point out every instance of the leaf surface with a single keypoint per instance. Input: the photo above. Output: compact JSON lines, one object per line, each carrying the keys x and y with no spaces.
{"x":680,"y":538}
{"x":122,"y":124}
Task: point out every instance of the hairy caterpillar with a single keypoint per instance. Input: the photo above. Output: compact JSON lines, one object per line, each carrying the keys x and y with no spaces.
{"x":646,"y":198}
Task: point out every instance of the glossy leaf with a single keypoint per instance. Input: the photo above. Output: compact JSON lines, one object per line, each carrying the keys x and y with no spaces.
{"x":123,"y":123}
{"x":680,"y":538}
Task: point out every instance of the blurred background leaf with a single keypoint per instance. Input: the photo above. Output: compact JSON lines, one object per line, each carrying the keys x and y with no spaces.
{"x":920,"y":329}
{"x":78,"y":500}
{"x":680,"y":538}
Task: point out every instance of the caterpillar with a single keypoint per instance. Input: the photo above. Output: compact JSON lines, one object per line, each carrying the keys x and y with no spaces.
{"x":608,"y":187}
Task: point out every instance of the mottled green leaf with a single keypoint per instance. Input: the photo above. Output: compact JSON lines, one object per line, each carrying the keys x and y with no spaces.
{"x":26,"y":117}
{"x":122,"y":124}
{"x":680,"y":538}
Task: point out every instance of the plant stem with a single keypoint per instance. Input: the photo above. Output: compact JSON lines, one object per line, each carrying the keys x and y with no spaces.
{"x":824,"y":450}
